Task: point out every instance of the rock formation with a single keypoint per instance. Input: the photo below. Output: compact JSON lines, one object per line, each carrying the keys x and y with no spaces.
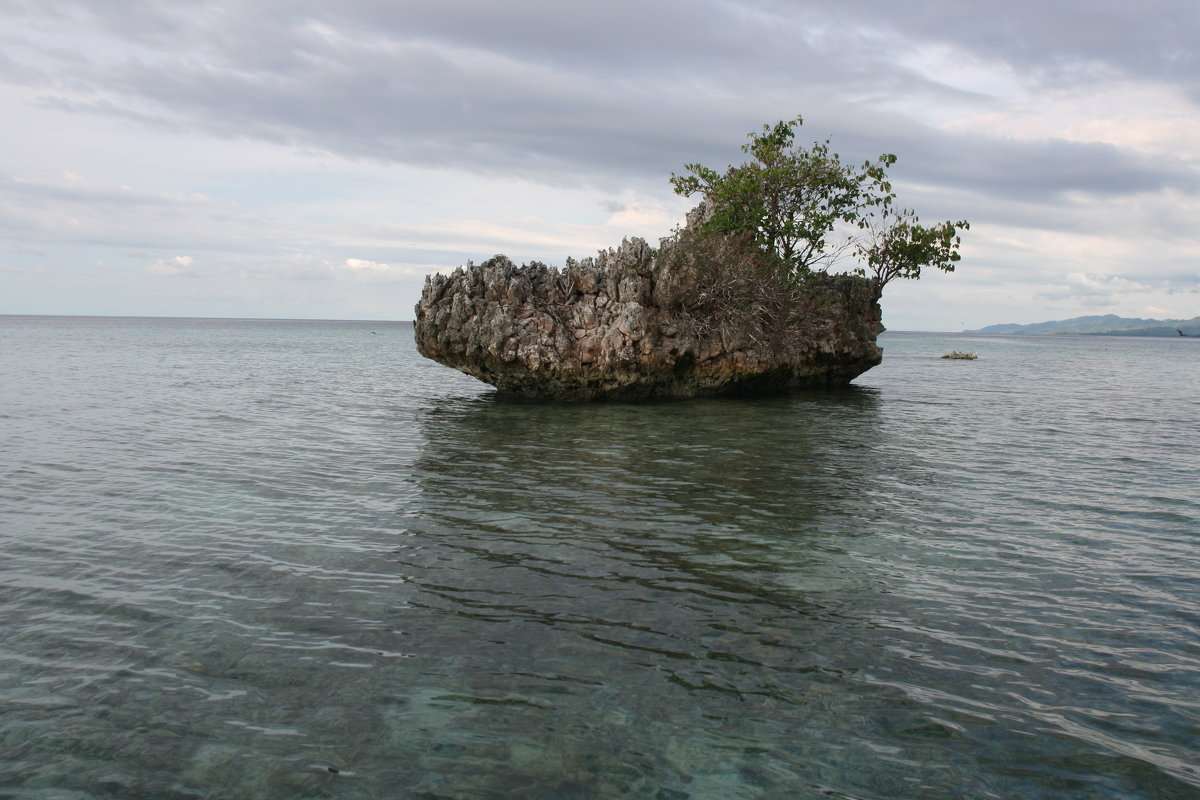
{"x":635,"y":322}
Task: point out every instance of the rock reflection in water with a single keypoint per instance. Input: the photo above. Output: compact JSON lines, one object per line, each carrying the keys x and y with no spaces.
{"x":623,"y":597}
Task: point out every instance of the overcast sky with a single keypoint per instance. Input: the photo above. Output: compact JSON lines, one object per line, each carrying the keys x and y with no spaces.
{"x":311,"y":159}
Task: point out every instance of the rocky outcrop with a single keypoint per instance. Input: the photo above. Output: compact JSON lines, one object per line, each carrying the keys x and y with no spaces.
{"x":634,"y":322}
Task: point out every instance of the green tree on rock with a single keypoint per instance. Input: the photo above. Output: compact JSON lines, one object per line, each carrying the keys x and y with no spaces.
{"x":804,"y":208}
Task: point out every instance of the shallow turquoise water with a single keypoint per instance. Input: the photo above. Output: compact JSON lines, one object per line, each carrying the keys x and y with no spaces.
{"x":293,"y":559}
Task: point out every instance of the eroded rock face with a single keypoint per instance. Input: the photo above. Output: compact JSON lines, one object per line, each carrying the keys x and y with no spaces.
{"x":625,"y":325}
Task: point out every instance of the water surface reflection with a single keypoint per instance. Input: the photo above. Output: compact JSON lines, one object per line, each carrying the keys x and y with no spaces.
{"x":648,"y":593}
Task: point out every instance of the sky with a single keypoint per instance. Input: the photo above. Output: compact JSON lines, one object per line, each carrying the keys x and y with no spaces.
{"x":311,"y":159}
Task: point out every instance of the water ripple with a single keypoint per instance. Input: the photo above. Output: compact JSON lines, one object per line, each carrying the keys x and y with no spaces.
{"x":292,"y":559}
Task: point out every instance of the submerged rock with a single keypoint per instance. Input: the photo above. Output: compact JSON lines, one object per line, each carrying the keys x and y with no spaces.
{"x":635,"y":322}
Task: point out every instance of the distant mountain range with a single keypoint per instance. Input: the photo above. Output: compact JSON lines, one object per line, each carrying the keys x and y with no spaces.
{"x":1107,"y":325}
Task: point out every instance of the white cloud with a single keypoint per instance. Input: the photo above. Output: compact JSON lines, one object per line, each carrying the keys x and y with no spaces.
{"x":1152,"y":118}
{"x":179,"y":265}
{"x":363,"y":265}
{"x":1106,"y":285}
{"x":647,"y":219}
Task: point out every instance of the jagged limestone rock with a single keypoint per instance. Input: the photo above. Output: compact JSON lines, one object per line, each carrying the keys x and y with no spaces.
{"x":628,"y":325}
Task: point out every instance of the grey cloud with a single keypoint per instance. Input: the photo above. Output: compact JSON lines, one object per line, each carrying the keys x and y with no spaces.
{"x":611,"y":94}
{"x":1095,"y":289}
{"x":534,"y":87}
{"x":78,"y":213}
{"x":1043,"y":169}
{"x":1055,"y":42}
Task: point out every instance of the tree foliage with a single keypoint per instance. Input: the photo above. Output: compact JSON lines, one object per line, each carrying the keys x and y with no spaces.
{"x":805,"y":208}
{"x":898,"y":246}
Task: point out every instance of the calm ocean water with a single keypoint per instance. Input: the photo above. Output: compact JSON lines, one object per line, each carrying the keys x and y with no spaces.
{"x":269,"y":559}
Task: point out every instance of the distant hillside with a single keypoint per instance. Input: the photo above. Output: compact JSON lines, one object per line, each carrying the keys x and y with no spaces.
{"x":1106,"y":325}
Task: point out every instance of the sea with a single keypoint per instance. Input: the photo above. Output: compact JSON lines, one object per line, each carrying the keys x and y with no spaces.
{"x":294,"y":559}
